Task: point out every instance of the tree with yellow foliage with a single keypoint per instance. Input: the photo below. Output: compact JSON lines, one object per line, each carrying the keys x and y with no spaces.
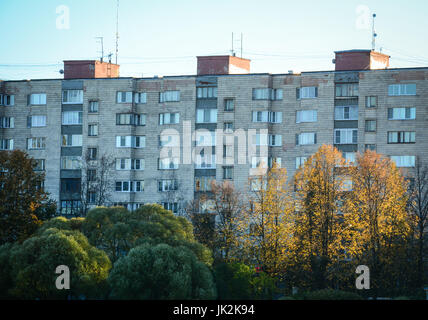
{"x":265,"y":226}
{"x":375,"y":213}
{"x":318,"y":235}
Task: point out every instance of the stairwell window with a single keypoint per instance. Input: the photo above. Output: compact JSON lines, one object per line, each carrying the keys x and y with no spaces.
{"x":140,"y":97}
{"x":370,"y":126}
{"x":371,"y":102}
{"x":93,"y":130}
{"x":7,"y":122}
{"x":7,"y":100}
{"x":72,"y":96}
{"x":93,"y":106}
{"x":6,"y":144}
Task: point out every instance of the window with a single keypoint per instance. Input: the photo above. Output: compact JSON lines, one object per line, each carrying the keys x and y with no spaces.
{"x":207,"y":93}
{"x":92,"y":197}
{"x":227,"y":173}
{"x":307,"y":93}
{"x":347,"y":185}
{"x":71,"y":117}
{"x":129,"y":186}
{"x":36,"y":121}
{"x":91,"y":174}
{"x":7,"y":122}
{"x":259,"y":162}
{"x":276,"y":94}
{"x":227,"y":151}
{"x":404,"y":161}
{"x":205,"y":161}
{"x":401,"y":113}
{"x":306,"y":116}
{"x":228,"y":126}
{"x":71,"y":162}
{"x":124,"y":97}
{"x":169,"y":96}
{"x":37,"y":99}
{"x":6,"y":144}
{"x":229,"y":104}
{"x":371,"y":147}
{"x":206,"y":116}
{"x":260,"y":139}
{"x":306,"y":138}
{"x":267,"y":116}
{"x":169,"y":140}
{"x":274,"y":160}
{"x":300,"y":161}
{"x":346,"y":113}
{"x":39,"y":164}
{"x":204,"y":183}
{"x":36,"y":143}
{"x":167,"y":185}
{"x":140,"y":97}
{"x":71,"y":140}
{"x":349,"y":156}
{"x":205,"y":138}
{"x":345,"y":136}
{"x":370,"y":126}
{"x":402,"y":89}
{"x":93,"y":130}
{"x":168,"y":163}
{"x":70,"y":206}
{"x":130,"y":119}
{"x":72,"y":96}
{"x":129,"y":164}
{"x":130,"y":141}
{"x":401,"y":137}
{"x":347,"y":90}
{"x":70,"y":185}
{"x":172,"y":206}
{"x":371,"y":102}
{"x":93,"y":106}
{"x":92,"y":153}
{"x":169,"y":118}
{"x":267,"y":94}
{"x":275,"y":140}
{"x":8,"y":100}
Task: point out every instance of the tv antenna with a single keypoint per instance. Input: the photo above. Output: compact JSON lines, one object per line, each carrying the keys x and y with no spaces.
{"x":374,"y":34}
{"x":117,"y":29}
{"x":102,"y":47}
{"x":233,"y":42}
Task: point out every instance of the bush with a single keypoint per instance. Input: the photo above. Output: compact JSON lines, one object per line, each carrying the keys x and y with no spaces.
{"x":233,"y":281}
{"x":330,"y":294}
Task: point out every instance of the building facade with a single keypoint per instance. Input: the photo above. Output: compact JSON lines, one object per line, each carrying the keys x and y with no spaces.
{"x":168,"y":137}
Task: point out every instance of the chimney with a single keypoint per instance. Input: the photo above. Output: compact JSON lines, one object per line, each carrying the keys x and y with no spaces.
{"x":89,"y":69}
{"x":211,"y":65}
{"x":360,"y":60}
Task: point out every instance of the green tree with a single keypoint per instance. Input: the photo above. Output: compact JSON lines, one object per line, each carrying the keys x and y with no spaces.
{"x":233,"y":281}
{"x":161,"y":272}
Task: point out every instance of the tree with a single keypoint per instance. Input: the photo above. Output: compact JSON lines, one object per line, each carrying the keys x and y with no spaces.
{"x":161,"y":272}
{"x":22,"y":198}
{"x":375,"y":212}
{"x":32,"y":265}
{"x":265,"y":226}
{"x":418,"y":202}
{"x":317,"y":242}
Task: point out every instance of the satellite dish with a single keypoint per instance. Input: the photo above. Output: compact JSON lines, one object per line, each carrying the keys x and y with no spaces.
{"x":61,"y":71}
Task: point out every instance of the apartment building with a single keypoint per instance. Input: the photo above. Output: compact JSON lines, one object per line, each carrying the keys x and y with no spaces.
{"x":169,"y":137}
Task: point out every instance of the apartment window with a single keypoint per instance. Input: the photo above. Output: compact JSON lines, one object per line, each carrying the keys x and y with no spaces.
{"x":71,"y":140}
{"x":267,"y":94}
{"x":275,"y":140}
{"x":401,"y":113}
{"x":130,"y":141}
{"x":168,"y":185}
{"x":229,"y":104}
{"x":169,"y":96}
{"x":346,"y":113}
{"x":70,"y":206}
{"x":371,"y":147}
{"x":370,"y":126}
{"x":404,"y":161}
{"x":140,"y":97}
{"x":129,"y":164}
{"x":401,"y":137}
{"x":259,"y":162}
{"x":36,"y":143}
{"x":129,"y":186}
{"x":371,"y":102}
{"x":130,"y":119}
{"x":227,"y":173}
{"x":300,"y":161}
{"x":169,"y":140}
{"x":70,"y":185}
{"x":39,"y":164}
{"x":6,"y":144}
{"x":93,"y":130}
{"x":205,"y":161}
{"x":93,"y":106}
{"x":260,"y":139}
{"x":37,"y":99}
{"x":7,"y":122}
{"x":71,"y":162}
{"x":306,"y":116}
{"x":307,"y":93}
{"x":275,"y":117}
{"x":207,"y":93}
{"x":7,"y":100}
{"x":274,"y":160}
{"x":71,"y":117}
{"x":347,"y":90}
{"x":203,"y":183}
{"x":205,"y":138}
{"x":72,"y":96}
{"x":168,"y":163}
{"x":124,"y":97}
{"x":349,"y":156}
{"x":347,"y":185}
{"x":91,"y":174}
{"x":36,"y":121}
{"x":92,"y":153}
{"x":227,"y":151}
{"x":169,"y":118}
{"x":206,"y":116}
{"x":267,"y":116}
{"x":306,"y":138}
{"x":171,"y":206}
{"x":228,"y":126}
{"x":402,"y":89}
{"x":345,"y":136}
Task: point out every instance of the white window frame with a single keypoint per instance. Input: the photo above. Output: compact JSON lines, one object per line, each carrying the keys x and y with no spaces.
{"x":37,"y":99}
{"x":402,"y":89}
{"x":169,"y":96}
{"x":306,"y":116}
{"x":346,"y":136}
{"x":71,"y":96}
{"x":69,"y":118}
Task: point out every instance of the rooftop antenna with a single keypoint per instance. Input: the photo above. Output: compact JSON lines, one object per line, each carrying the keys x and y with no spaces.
{"x":232,"y":51}
{"x":102,"y":47}
{"x":374,"y":34}
{"x":117,"y":29}
{"x":233,"y":41}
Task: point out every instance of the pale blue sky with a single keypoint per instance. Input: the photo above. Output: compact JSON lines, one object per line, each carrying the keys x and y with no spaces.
{"x":163,"y":37}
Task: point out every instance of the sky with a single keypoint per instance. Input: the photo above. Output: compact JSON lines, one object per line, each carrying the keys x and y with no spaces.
{"x":163,"y":37}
